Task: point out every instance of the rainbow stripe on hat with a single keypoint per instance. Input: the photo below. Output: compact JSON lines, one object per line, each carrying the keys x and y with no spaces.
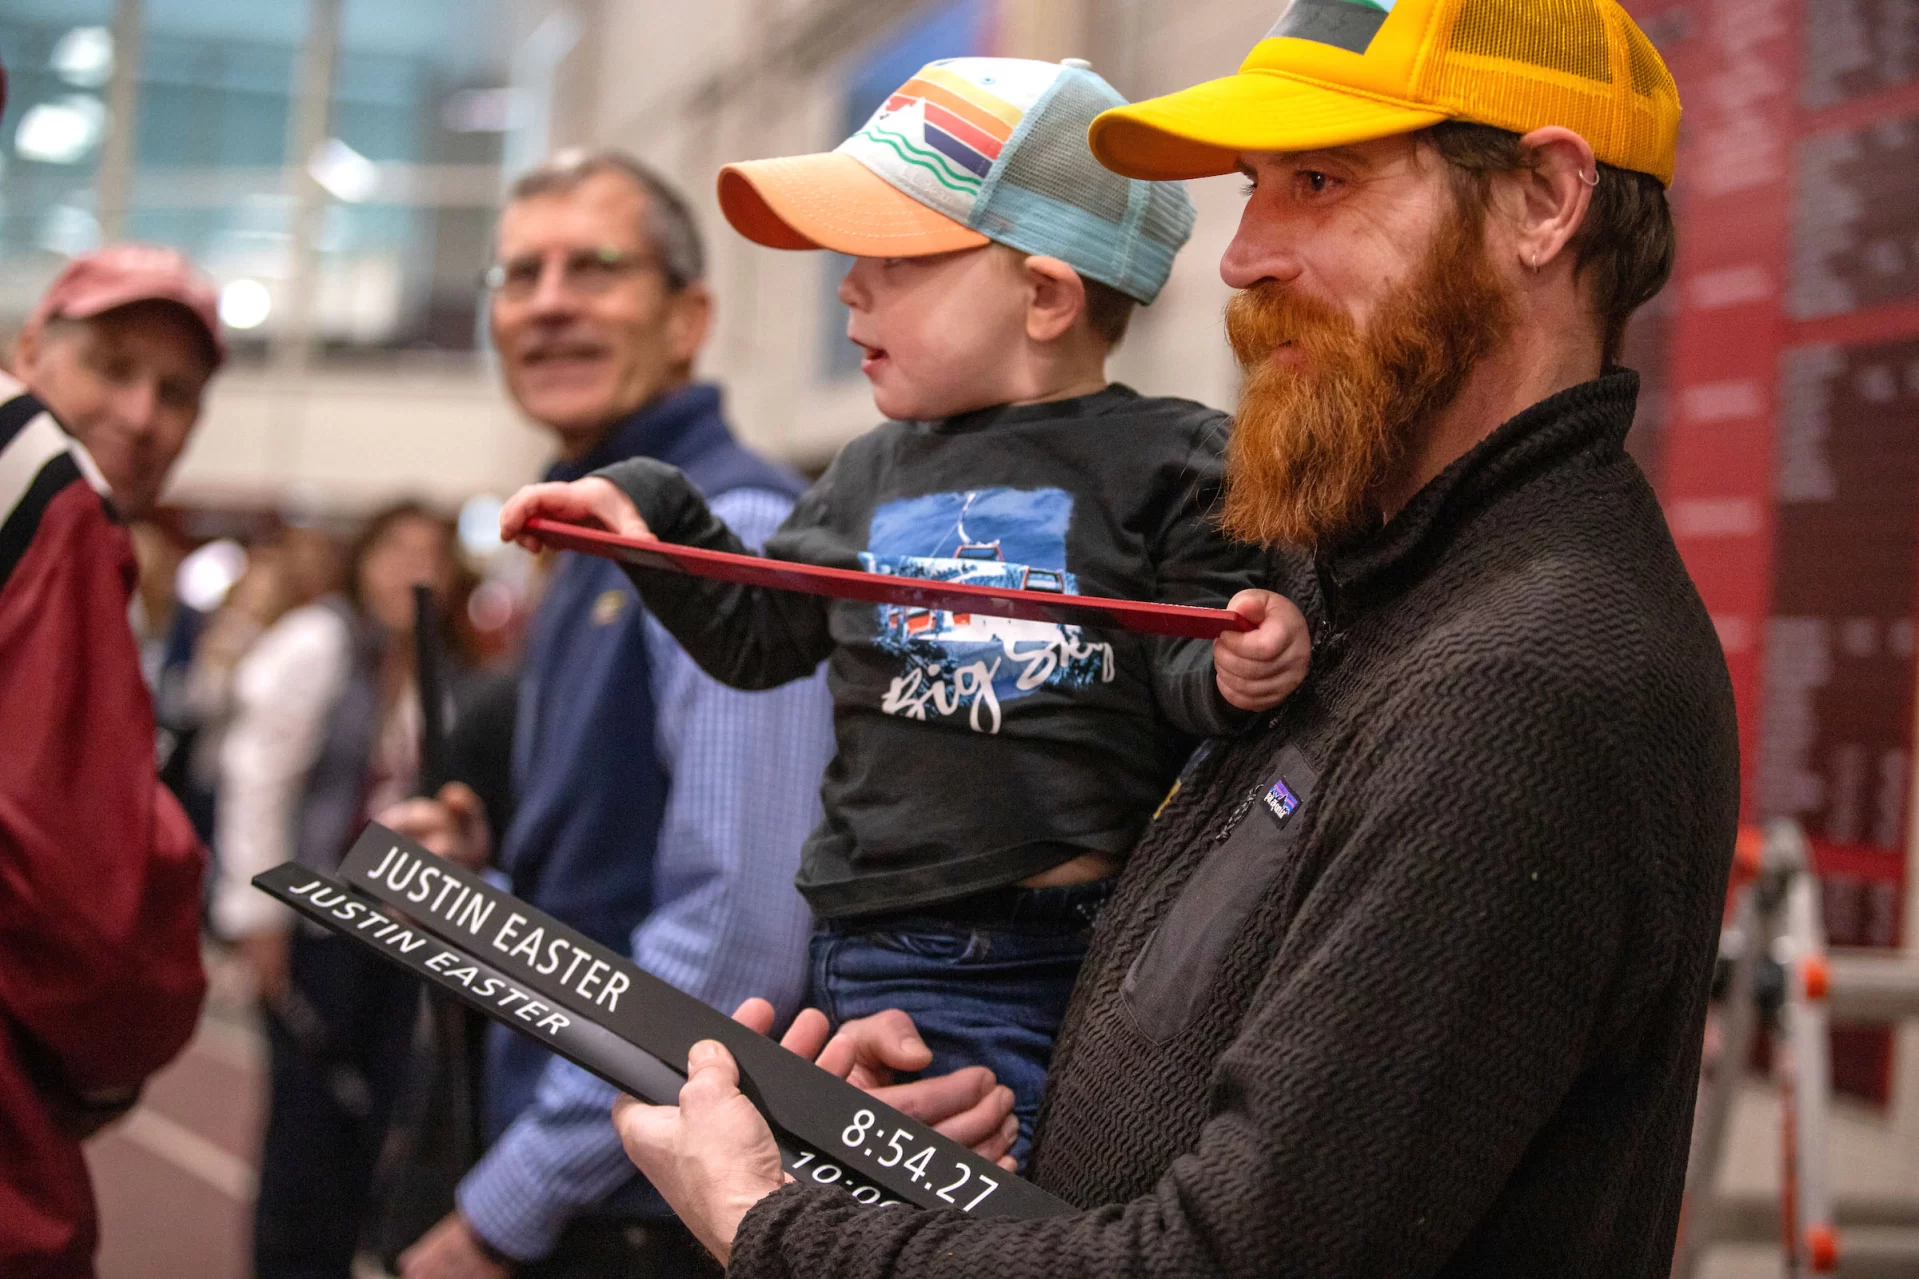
{"x":959,"y":119}
{"x":950,"y":126}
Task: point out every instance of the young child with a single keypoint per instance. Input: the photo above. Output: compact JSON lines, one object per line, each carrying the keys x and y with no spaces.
{"x":990,"y":774}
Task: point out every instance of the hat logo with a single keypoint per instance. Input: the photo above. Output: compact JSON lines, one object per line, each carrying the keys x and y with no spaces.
{"x":963,"y":128}
{"x":1344,"y":24}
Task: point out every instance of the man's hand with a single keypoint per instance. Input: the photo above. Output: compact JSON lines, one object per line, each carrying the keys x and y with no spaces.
{"x":1256,"y":669}
{"x":452,"y":826}
{"x":450,"y":1251}
{"x":588,"y":501}
{"x":712,"y":1156}
{"x":970,"y":1106}
{"x":267,"y":956}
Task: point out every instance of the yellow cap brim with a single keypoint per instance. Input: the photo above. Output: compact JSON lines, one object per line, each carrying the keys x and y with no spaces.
{"x":1200,"y":132}
{"x":832,"y":201}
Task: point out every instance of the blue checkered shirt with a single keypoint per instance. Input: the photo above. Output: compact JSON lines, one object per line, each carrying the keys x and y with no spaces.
{"x":727,"y":923}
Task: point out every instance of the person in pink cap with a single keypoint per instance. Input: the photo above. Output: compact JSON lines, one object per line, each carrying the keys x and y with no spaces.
{"x":121,"y":348}
{"x":100,"y":977}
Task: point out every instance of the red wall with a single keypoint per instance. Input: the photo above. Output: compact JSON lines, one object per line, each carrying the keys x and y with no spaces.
{"x":1783,"y":424}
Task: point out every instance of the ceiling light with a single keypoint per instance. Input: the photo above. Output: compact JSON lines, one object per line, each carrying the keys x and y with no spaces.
{"x":83,"y":57}
{"x":484,"y":110}
{"x":61,"y":132}
{"x":345,"y":173}
{"x":245,"y":304}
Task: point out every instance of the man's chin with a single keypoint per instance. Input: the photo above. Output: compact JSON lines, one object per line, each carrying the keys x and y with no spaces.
{"x":570,"y":410}
{"x":132,"y":504}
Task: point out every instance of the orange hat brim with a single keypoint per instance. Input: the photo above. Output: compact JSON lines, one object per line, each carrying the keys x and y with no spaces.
{"x":832,"y":201}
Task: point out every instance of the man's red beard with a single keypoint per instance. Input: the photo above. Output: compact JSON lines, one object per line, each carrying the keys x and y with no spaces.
{"x":1313,"y":442}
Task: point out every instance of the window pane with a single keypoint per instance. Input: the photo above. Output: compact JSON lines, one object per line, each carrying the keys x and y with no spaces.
{"x":59,"y":59}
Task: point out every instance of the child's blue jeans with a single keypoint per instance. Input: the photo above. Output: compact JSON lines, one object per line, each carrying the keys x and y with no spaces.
{"x":985,"y":979}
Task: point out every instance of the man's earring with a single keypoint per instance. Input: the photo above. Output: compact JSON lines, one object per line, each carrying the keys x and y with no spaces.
{"x":1593,"y":181}
{"x":1535,"y":261}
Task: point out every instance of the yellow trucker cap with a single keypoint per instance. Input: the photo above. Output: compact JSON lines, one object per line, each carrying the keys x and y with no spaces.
{"x":1334,"y":72}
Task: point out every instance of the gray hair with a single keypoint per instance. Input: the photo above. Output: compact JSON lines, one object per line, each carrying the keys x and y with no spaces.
{"x":669,"y":225}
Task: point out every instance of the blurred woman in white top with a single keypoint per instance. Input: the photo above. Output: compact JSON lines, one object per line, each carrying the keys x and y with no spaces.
{"x":325,"y":733}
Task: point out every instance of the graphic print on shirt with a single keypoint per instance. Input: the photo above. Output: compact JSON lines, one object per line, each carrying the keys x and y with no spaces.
{"x":972,"y":662}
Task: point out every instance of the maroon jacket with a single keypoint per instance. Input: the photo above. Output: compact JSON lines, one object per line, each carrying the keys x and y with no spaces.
{"x":100,"y":978}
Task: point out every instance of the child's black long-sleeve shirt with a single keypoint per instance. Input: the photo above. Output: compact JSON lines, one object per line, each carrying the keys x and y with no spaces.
{"x":975,"y":751}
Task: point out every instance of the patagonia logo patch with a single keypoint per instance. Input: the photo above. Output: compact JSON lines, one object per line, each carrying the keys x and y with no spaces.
{"x":1280,"y":801}
{"x":1344,"y":24}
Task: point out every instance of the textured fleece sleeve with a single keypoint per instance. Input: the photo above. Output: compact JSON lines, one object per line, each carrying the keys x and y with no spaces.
{"x":1406,"y":1047}
{"x":744,"y":636}
{"x":99,"y":868}
{"x":1199,"y":565}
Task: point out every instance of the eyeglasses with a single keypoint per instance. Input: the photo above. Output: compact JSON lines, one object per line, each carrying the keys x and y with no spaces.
{"x":583,"y":271}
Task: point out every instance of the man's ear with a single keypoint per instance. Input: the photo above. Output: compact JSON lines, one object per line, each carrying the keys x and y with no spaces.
{"x":689,"y":318}
{"x":1056,"y":298}
{"x":1549,"y":201}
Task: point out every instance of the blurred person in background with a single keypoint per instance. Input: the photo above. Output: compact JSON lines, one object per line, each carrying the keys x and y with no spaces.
{"x":100,"y":976}
{"x":121,"y":348}
{"x":657,"y":809}
{"x":293,"y":567}
{"x":325,"y":733}
{"x":168,"y":630}
{"x":157,"y":609}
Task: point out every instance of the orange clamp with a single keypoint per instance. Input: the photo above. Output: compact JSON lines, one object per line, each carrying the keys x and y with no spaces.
{"x":1822,"y":1249}
{"x":1816,"y":973}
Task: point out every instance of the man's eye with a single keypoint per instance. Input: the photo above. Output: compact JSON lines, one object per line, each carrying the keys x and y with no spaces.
{"x":1313,"y":181}
{"x":592,"y":268}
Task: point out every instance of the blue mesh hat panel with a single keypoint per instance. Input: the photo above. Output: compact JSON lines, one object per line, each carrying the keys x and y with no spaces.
{"x":1048,"y":195}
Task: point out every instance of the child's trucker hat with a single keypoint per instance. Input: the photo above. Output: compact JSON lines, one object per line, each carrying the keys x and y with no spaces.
{"x":971,"y":150}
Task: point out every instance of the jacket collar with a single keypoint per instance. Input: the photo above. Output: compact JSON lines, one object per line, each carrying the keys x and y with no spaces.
{"x":675,"y":428}
{"x":1581,"y":426}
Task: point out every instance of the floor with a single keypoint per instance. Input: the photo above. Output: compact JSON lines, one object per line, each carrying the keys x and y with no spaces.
{"x":175,"y":1178}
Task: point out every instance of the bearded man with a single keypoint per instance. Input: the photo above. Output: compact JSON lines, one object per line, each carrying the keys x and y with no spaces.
{"x":1408,"y":980}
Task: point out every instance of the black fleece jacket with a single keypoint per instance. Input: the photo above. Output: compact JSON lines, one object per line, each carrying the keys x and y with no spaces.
{"x":1409,"y":980}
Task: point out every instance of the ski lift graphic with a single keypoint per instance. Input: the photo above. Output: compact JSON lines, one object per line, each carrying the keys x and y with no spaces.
{"x":1030,"y":579}
{"x":920,"y":621}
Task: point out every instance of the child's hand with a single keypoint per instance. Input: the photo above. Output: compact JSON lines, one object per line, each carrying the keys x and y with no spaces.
{"x":588,"y":501}
{"x":1256,"y":669}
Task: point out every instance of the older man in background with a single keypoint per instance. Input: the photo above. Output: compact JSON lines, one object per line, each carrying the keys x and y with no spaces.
{"x":657,"y":809}
{"x":100,"y":979}
{"x":121,"y":348}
